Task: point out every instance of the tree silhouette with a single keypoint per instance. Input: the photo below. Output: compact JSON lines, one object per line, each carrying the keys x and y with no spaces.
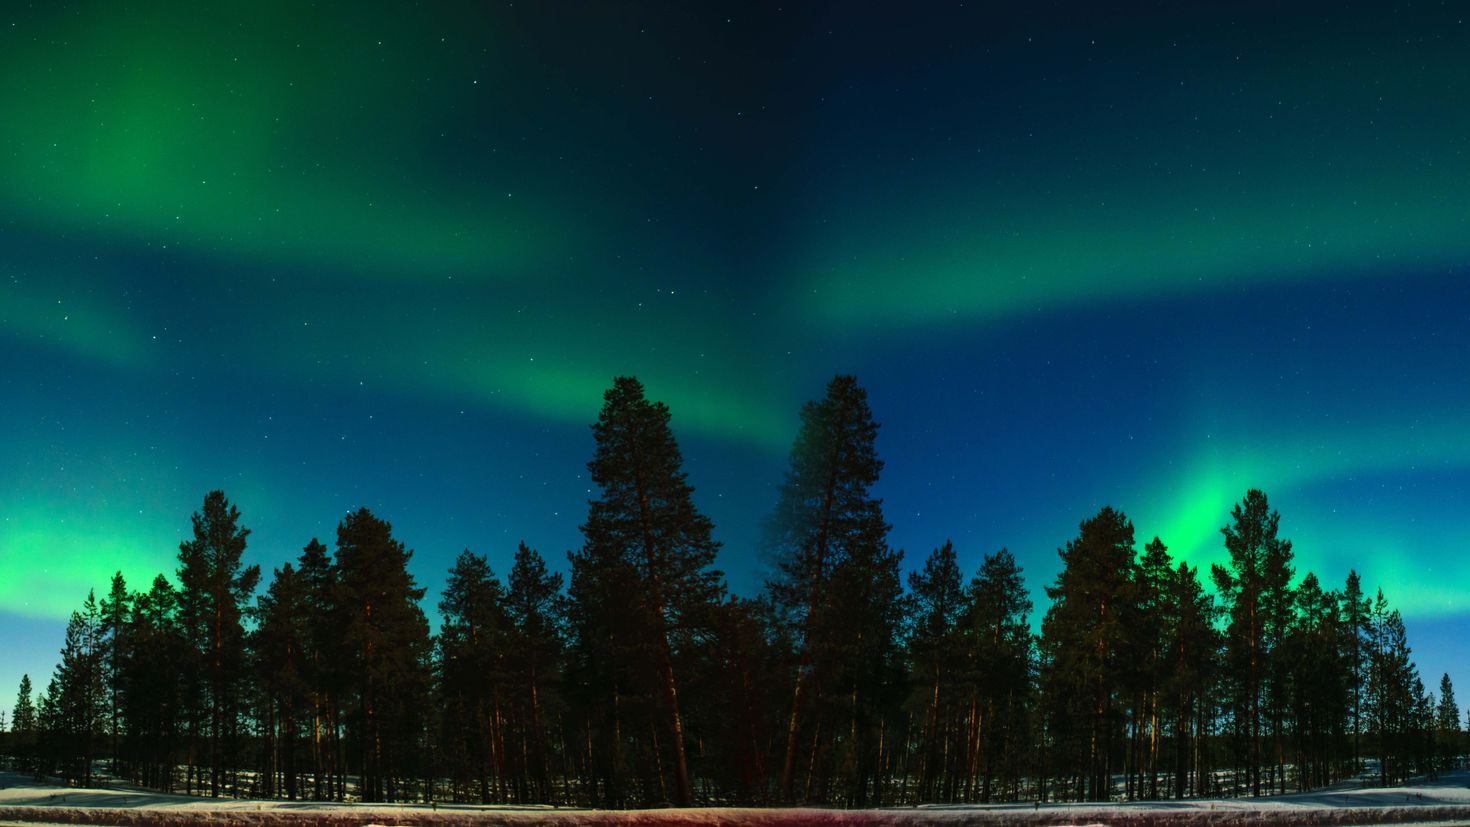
{"x":1255,"y":587}
{"x":1084,"y":638}
{"x":386,"y":652}
{"x":472,"y":642}
{"x":213,"y":596}
{"x":279,"y":649}
{"x":824,"y":514}
{"x":23,"y":724}
{"x":536,"y":610}
{"x":645,"y":527}
{"x":1000,"y":670}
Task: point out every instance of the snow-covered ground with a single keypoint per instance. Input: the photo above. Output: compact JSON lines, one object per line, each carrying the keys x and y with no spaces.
{"x":1442,"y":802}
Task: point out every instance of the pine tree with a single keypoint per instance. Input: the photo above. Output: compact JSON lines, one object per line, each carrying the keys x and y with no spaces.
{"x":23,"y":724}
{"x":214,"y":594}
{"x":386,"y":652}
{"x":934,"y":646}
{"x":1391,"y":691}
{"x":115,"y":610}
{"x":1255,"y":587}
{"x":1447,"y":725}
{"x":537,"y":613}
{"x":1319,"y":682}
{"x":323,"y":669}
{"x":1193,"y":645}
{"x":1085,"y":638}
{"x":1355,"y":608}
{"x":472,"y":640}
{"x":75,"y":698}
{"x":999,"y":663}
{"x":824,"y":514}
{"x":645,"y":525}
{"x":53,"y":739}
{"x":154,"y":689}
{"x":865,"y":607}
{"x":1147,"y":639}
{"x":1420,"y":757}
{"x":23,"y":717}
{"x":279,"y":652}
{"x":611,"y":674}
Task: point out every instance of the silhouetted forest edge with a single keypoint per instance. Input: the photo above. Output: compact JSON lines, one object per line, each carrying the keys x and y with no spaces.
{"x":638,"y":680}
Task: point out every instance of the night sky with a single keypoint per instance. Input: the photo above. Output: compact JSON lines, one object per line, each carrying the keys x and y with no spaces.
{"x":337,"y":256}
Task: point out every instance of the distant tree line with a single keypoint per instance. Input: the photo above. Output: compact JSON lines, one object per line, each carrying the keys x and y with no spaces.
{"x":640,"y":681}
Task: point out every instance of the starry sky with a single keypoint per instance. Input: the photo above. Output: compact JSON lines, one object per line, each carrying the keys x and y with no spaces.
{"x":338,"y":255}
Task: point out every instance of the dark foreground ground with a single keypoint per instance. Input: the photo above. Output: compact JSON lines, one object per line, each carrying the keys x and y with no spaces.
{"x":1440,"y":803}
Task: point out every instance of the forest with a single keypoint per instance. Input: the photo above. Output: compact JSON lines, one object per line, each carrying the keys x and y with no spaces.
{"x":637,"y":679}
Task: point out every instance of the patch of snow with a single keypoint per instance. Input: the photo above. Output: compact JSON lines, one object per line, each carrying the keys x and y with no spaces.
{"x":1442,"y":802}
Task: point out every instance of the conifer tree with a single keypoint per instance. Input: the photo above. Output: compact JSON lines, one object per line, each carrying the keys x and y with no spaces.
{"x":472,"y":642}
{"x":214,"y":594}
{"x":999,"y":658}
{"x":1356,"y":612}
{"x":1147,"y":639}
{"x":75,"y":703}
{"x":386,"y":652}
{"x":53,"y":742}
{"x":279,"y":648}
{"x":1392,"y":695}
{"x":1193,"y":645}
{"x":1255,"y":587}
{"x":1447,"y":725}
{"x":536,"y":610}
{"x":611,"y":674}
{"x":23,"y":716}
{"x":1085,"y":635}
{"x":23,"y":723}
{"x":934,"y":647}
{"x":865,"y":608}
{"x":824,"y":514}
{"x":153,"y":684}
{"x":323,"y":669}
{"x":1318,"y":685}
{"x":645,"y":525}
{"x":114,"y":610}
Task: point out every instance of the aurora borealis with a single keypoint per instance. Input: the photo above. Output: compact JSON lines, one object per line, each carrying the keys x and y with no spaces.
{"x":328,"y":257}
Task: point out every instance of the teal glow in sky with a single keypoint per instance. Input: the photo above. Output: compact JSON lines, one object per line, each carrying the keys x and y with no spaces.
{"x":328,"y":258}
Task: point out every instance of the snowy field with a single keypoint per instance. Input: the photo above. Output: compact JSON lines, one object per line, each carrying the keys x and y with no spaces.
{"x":1442,"y":802}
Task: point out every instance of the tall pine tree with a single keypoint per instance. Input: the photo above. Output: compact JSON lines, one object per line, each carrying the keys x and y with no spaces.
{"x":934,"y":650}
{"x":1356,"y":611}
{"x":386,"y":653}
{"x":537,"y":613}
{"x":324,"y":669}
{"x":1447,"y":725}
{"x":213,"y":596}
{"x":1085,"y":639}
{"x":279,"y":647}
{"x":1255,"y":587}
{"x":472,"y":642}
{"x":114,"y":609}
{"x":23,"y":723}
{"x":999,"y":659}
{"x":645,"y":525}
{"x":824,"y":515}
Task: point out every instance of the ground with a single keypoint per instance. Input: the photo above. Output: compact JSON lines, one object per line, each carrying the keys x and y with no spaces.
{"x":1445,"y":801}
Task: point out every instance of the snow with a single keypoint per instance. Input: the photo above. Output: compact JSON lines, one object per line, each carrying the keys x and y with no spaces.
{"x":1442,"y":802}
